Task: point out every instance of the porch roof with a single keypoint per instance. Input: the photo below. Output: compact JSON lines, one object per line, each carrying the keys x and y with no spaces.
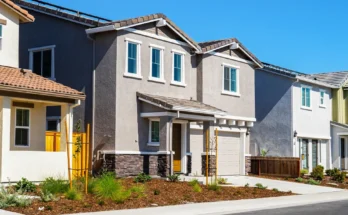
{"x":24,"y":81}
{"x":339,"y":125}
{"x":176,"y":104}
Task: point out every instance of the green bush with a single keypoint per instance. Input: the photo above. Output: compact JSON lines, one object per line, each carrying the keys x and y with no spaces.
{"x":313,"y":182}
{"x":339,"y":177}
{"x":303,"y":172}
{"x":73,"y":194}
{"x":106,"y":186}
{"x":275,"y":189}
{"x":174,"y":178}
{"x":46,"y":196}
{"x":193,"y":182}
{"x":196,"y":188}
{"x":142,"y":178}
{"x":214,"y":187}
{"x":318,"y":173}
{"x":55,"y":186}
{"x":139,"y":190}
{"x":332,"y":172}
{"x":247,"y":185}
{"x":156,"y":192}
{"x":25,"y":186}
{"x":8,"y":199}
{"x":260,"y":186}
{"x":222,"y":180}
{"x":121,"y":196}
{"x":299,"y":179}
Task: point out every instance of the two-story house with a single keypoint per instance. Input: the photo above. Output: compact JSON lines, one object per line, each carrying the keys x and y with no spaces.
{"x":155,"y":96}
{"x":293,"y":112}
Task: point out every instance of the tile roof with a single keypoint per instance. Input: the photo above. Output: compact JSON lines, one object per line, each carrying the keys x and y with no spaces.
{"x":24,"y":81}
{"x":65,"y":13}
{"x":147,"y":18}
{"x":185,"y":105}
{"x":25,"y":16}
{"x":215,"y":44}
{"x":281,"y":70}
{"x":335,"y":78}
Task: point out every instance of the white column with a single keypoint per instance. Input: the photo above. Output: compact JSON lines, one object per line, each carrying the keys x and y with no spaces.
{"x":242,"y":153}
{"x":310,"y":167}
{"x":183,"y":147}
{"x":328,"y":155}
{"x":5,"y":123}
{"x":66,"y":119}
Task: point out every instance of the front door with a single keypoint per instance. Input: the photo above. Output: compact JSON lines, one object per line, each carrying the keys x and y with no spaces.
{"x":343,"y":154}
{"x":177,"y":147}
{"x":314,"y":153}
{"x":304,"y":154}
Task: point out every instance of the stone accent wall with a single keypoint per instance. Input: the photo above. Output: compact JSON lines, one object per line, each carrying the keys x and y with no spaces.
{"x":247,"y":165}
{"x":211,"y":165}
{"x":189,"y":164}
{"x":163,"y":165}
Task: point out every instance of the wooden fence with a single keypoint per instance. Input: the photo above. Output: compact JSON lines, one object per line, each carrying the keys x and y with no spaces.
{"x":276,"y":166}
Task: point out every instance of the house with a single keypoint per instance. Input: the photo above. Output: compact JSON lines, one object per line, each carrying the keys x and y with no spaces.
{"x":24,"y":97}
{"x":293,"y":114}
{"x":154,"y":95}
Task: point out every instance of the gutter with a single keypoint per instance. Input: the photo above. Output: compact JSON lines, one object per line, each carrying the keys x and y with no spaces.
{"x":316,"y":82}
{"x":101,"y":29}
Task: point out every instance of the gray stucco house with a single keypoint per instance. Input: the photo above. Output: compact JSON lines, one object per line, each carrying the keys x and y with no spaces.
{"x":153,"y":94}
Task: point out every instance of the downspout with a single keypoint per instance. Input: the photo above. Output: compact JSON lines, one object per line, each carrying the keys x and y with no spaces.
{"x":171,"y":142}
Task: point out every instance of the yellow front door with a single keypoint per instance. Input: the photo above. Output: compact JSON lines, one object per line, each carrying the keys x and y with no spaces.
{"x":177,"y":147}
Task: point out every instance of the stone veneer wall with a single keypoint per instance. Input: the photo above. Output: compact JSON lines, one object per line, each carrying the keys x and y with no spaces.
{"x":189,"y":164}
{"x":247,"y":164}
{"x":211,"y":164}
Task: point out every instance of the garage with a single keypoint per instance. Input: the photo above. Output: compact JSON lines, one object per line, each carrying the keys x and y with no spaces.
{"x":228,"y":153}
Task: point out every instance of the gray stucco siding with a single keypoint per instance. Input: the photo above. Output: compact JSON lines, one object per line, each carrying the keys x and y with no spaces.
{"x":273,"y":129}
{"x":131,"y":129}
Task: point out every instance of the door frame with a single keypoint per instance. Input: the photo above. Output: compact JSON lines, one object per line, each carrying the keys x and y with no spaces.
{"x":183,"y":144}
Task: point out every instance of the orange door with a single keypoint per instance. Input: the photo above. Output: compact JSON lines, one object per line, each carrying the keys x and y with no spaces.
{"x":177,"y":147}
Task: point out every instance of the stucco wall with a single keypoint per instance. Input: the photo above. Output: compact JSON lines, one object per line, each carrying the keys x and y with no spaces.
{"x":272,"y":130}
{"x":129,"y":125}
{"x":10,"y":34}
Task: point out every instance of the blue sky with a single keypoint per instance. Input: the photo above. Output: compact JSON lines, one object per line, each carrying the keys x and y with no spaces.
{"x":307,"y":36}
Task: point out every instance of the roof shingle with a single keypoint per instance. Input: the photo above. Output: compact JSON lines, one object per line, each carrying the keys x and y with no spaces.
{"x":24,"y":13}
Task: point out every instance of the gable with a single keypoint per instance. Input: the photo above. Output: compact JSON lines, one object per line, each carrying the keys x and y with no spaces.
{"x":164,"y":31}
{"x":233,"y":52}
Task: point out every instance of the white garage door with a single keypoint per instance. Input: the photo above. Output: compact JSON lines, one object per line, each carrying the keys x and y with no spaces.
{"x":228,"y":153}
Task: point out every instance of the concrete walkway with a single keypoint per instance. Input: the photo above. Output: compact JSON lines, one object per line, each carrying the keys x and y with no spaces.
{"x":279,"y":184}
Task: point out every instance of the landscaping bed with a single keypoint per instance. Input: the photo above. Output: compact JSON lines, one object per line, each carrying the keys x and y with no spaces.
{"x":152,"y":193}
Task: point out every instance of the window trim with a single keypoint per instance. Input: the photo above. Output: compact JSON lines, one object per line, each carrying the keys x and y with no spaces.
{"x":230,"y":93}
{"x":41,"y":49}
{"x":23,"y":127}
{"x":310,"y":97}
{"x":54,"y":118}
{"x":182,"y":82}
{"x":150,"y":143}
{"x":1,"y":35}
{"x":126,"y":73}
{"x":324,"y":103}
{"x":161,"y":78}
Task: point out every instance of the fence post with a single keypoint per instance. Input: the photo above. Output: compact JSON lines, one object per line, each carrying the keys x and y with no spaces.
{"x":259,"y":167}
{"x":54,"y":141}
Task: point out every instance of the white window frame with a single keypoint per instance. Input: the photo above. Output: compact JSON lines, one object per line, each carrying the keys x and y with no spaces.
{"x":150,"y":143}
{"x":41,"y":49}
{"x":182,"y":82}
{"x":161,"y":78}
{"x":138,"y":74}
{"x":324,"y":103}
{"x":53,"y":118}
{"x":230,"y":93}
{"x":1,"y":36}
{"x":23,"y":127}
{"x":310,"y":98}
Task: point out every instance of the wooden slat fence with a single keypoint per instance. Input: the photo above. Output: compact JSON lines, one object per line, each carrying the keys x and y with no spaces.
{"x":276,"y":166}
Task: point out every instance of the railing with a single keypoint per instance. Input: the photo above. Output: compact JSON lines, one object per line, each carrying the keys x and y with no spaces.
{"x":276,"y":166}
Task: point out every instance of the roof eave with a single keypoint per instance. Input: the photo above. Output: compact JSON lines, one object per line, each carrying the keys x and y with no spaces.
{"x":301,"y":78}
{"x":22,"y":17}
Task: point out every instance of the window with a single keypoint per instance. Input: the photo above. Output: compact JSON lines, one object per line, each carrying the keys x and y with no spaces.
{"x":154,"y":133}
{"x":230,"y":80}
{"x":22,"y":127}
{"x":322,"y":100}
{"x":306,"y":97}
{"x":41,"y":61}
{"x":178,"y":68}
{"x":53,"y":123}
{"x":0,"y":36}
{"x":133,"y":58}
{"x":156,"y":64}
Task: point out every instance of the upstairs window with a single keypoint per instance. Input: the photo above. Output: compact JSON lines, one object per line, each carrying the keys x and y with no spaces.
{"x":22,"y":127}
{"x":153,"y":133}
{"x":230,"y":80}
{"x":306,"y":97}
{"x":156,"y":64}
{"x":133,"y":58}
{"x":322,"y":100}
{"x":178,"y":77}
{"x":41,"y":61}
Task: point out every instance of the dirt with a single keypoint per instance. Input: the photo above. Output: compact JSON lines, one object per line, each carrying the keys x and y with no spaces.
{"x":170,"y":193}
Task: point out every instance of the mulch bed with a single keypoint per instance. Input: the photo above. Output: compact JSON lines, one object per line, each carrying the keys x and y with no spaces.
{"x":326,"y":182}
{"x":170,"y":194}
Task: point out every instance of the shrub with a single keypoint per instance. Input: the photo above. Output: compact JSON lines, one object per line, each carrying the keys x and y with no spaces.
{"x":46,"y":196}
{"x":8,"y":199}
{"x":318,"y":172}
{"x":55,"y":186}
{"x":25,"y":186}
{"x":299,"y":179}
{"x":196,"y":188}
{"x":339,"y":177}
{"x":264,"y":152}
{"x":313,"y":182}
{"x":101,"y":202}
{"x":121,"y":196}
{"x":260,"y":186}
{"x":106,"y":186}
{"x":73,"y":194}
{"x":174,"y":178}
{"x":91,"y":185}
{"x":247,"y":185}
{"x":303,"y":172}
{"x":156,"y":192}
{"x":222,"y":180}
{"x":142,"y":178}
{"x":193,"y":182}
{"x":139,"y":190}
{"x":48,"y":208}
{"x":275,"y":189}
{"x":214,"y":187}
{"x":332,"y":172}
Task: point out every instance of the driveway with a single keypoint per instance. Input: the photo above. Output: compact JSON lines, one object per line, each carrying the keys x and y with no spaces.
{"x":270,"y":183}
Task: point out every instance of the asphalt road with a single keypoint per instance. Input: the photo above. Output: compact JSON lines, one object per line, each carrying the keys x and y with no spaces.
{"x":331,"y":208}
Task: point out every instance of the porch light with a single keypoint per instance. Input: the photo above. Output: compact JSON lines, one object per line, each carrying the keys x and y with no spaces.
{"x":295,"y":133}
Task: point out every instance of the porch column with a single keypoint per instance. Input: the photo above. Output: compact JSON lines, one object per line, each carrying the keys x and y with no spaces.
{"x":5,"y":132}
{"x":242,"y":152}
{"x":329,"y":155}
{"x":164,"y":158}
{"x":208,"y":126}
{"x":66,"y":133}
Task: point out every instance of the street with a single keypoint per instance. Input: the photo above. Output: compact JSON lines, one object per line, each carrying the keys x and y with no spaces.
{"x":330,"y":208}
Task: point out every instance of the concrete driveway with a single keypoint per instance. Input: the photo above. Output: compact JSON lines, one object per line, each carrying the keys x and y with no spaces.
{"x":280,"y":185}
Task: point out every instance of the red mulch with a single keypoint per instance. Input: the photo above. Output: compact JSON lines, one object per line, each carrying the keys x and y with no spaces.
{"x":170,"y":194}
